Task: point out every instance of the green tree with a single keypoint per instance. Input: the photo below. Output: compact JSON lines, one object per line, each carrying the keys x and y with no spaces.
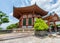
{"x":40,"y":25}
{"x":12,"y":26}
{"x":3,"y":18}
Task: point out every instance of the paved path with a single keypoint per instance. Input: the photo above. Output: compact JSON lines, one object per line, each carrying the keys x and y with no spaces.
{"x":27,"y":38}
{"x":33,"y":39}
{"x":14,"y":36}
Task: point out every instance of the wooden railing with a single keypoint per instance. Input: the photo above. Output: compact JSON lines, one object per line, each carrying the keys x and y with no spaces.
{"x":23,"y":30}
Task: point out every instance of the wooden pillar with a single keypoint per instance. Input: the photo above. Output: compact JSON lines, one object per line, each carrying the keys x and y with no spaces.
{"x":33,"y":17}
{"x":20,"y":22}
{"x":55,"y":28}
{"x":48,"y":23}
{"x":33,"y":21}
{"x":27,"y":21}
{"x":20,"y":19}
{"x":50,"y":30}
{"x":49,"y":26}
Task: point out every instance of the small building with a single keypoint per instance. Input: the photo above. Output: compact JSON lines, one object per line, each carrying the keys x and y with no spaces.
{"x":52,"y":19}
{"x":27,"y":15}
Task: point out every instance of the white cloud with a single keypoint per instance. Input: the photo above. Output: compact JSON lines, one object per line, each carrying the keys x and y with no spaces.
{"x":11,"y":14}
{"x":46,"y":5}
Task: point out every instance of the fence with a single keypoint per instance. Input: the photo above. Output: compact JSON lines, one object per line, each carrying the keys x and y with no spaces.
{"x":5,"y":31}
{"x":23,"y":30}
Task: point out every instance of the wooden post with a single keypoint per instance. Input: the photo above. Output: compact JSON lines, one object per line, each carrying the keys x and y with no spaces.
{"x":20,"y":22}
{"x":49,"y":26}
{"x":33,"y":21}
{"x":55,"y":28}
{"x":27,"y":21}
{"x":33,"y":18}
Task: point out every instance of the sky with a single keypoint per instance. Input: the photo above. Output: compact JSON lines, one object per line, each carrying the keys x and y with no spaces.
{"x":6,"y":6}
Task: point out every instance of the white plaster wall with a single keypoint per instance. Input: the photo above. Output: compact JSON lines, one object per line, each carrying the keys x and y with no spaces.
{"x":30,"y":16}
{"x":30,"y":26}
{"x":23,"y":26}
{"x":24,"y":16}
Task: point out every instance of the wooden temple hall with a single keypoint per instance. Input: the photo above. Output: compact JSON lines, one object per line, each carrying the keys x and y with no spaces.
{"x":27,"y":15}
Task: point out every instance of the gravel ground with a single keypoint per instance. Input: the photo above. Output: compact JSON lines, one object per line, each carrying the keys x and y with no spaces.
{"x":32,"y":39}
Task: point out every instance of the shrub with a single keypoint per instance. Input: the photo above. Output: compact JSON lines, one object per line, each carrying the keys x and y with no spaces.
{"x":58,"y":25}
{"x":0,"y":28}
{"x":12,"y":26}
{"x":40,"y":25}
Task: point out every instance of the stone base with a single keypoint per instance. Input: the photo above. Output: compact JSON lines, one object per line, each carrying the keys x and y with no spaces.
{"x":41,"y":33}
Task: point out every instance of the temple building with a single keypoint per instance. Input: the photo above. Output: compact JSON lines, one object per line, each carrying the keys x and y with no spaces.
{"x":27,"y":15}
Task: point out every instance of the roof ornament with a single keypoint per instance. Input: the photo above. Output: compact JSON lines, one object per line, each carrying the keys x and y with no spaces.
{"x":13,"y":7}
{"x":35,"y":3}
{"x":50,"y":14}
{"x":53,"y":12}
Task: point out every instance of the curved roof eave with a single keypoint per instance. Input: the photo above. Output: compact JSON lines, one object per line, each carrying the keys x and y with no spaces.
{"x":34,"y":8}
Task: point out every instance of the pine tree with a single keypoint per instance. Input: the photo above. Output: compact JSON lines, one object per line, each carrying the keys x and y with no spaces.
{"x":3,"y":18}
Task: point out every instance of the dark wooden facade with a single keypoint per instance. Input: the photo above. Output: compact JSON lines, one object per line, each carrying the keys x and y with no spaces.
{"x":24,"y":14}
